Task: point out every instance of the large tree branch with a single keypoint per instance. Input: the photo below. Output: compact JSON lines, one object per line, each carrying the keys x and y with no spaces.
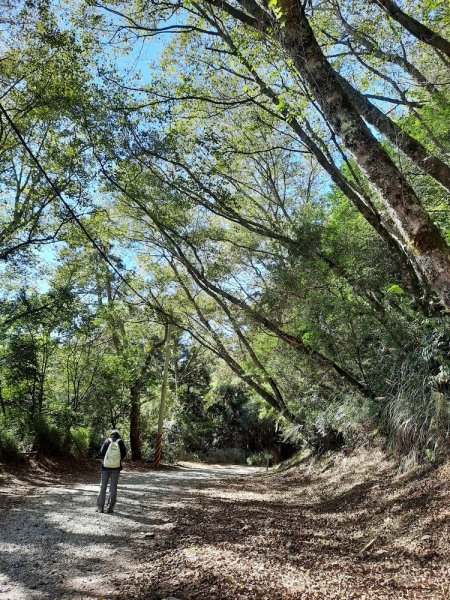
{"x":415,"y":27}
{"x":296,"y":342}
{"x":222,"y":352}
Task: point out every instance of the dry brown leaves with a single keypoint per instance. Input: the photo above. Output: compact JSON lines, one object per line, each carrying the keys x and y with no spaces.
{"x":301,"y":534}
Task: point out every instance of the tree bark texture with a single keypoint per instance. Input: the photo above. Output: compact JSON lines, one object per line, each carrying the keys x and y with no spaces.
{"x":413,"y":149}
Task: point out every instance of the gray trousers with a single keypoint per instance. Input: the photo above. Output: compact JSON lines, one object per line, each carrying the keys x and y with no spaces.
{"x":111,"y":475}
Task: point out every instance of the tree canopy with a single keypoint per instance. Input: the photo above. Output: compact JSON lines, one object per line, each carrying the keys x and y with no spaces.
{"x":271,"y":179}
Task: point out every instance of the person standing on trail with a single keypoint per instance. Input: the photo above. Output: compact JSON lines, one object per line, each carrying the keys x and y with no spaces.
{"x":113,"y":451}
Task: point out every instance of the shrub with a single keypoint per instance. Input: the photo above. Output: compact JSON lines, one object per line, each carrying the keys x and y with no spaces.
{"x":9,"y":448}
{"x":96,"y":438}
{"x":259,"y":458}
{"x":172,"y":449}
{"x":417,"y":412}
{"x":47,"y":438}
{"x":232,"y":456}
{"x":80,"y":441}
{"x":325,"y":425}
{"x":172,"y":452}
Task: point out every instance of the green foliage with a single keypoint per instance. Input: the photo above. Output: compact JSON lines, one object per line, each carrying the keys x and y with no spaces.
{"x":48,"y":439}
{"x":329,"y":425}
{"x":429,"y":455}
{"x":258,"y":459}
{"x":80,"y":438}
{"x":416,"y":409}
{"x":173,"y":448}
{"x":237,"y":421}
{"x":234,"y":456}
{"x":208,"y":209}
{"x":9,"y":447}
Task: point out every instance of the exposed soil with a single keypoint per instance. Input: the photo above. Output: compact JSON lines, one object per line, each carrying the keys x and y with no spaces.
{"x":347,"y":527}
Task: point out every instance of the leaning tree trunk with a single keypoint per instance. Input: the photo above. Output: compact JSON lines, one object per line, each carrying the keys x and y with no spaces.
{"x":404,"y":207}
{"x":415,"y":27}
{"x":413,"y":149}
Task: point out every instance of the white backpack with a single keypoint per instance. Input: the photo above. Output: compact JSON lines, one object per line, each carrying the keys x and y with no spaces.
{"x":112,"y":456}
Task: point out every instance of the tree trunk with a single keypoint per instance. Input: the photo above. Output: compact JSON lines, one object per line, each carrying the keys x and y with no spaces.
{"x":135,"y":421}
{"x":413,"y":149}
{"x":412,"y":221}
{"x":415,"y":27}
{"x":2,"y":401}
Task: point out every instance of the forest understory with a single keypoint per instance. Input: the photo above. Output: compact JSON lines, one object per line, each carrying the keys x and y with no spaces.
{"x":347,"y":526}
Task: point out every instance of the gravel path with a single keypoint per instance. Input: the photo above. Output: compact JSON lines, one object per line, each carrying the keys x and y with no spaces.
{"x":53,"y":545}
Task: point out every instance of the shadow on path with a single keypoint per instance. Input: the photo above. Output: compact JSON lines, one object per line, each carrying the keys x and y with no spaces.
{"x":53,"y":545}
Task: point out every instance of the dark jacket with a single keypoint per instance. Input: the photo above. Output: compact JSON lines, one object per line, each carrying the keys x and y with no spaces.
{"x":104,"y":448}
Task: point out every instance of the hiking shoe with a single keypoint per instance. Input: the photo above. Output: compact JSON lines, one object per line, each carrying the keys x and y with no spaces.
{"x":110,"y":510}
{"x":99,"y":510}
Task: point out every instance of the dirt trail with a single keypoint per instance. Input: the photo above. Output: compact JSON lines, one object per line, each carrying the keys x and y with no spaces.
{"x":346,"y":527}
{"x":54,"y":546}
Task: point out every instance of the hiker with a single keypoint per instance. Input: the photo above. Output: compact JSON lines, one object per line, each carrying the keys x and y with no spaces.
{"x":113,"y":451}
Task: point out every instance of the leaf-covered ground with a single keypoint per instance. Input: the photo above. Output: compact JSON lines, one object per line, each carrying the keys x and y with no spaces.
{"x":301,"y":534}
{"x":346,"y":527}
